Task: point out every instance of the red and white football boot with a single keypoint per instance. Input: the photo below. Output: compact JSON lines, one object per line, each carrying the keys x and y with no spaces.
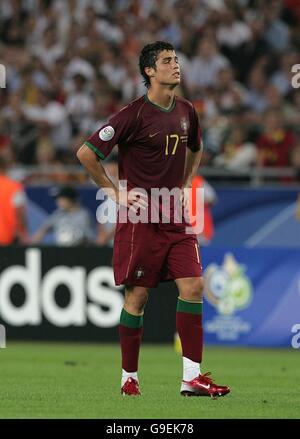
{"x":131,"y":387}
{"x":203,"y":385}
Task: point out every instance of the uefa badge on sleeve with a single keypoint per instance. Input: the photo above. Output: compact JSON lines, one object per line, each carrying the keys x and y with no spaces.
{"x":107,"y":133}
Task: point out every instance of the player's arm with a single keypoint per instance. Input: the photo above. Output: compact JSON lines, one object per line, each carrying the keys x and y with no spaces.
{"x":192,"y":163}
{"x":99,"y":145}
{"x":95,"y":169}
{"x":194,"y":150}
{"x":193,"y":157}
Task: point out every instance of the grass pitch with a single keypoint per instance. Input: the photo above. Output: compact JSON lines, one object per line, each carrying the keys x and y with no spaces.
{"x":52,"y":380}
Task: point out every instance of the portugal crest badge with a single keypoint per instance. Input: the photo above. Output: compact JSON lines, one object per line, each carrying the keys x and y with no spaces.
{"x":139,"y":272}
{"x":184,"y":123}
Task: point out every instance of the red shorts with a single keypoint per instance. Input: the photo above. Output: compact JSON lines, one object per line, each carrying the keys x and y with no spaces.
{"x":146,"y":254}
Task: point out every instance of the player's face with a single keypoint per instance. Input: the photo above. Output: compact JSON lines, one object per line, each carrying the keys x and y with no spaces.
{"x":167,"y":68}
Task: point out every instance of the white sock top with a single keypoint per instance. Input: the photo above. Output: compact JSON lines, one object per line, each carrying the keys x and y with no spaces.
{"x":191,"y":369}
{"x":126,"y":375}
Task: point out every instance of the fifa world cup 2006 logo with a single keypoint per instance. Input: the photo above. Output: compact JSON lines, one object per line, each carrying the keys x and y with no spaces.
{"x":227,"y":287}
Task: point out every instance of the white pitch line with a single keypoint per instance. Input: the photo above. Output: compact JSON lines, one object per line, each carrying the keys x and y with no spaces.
{"x":270,"y":226}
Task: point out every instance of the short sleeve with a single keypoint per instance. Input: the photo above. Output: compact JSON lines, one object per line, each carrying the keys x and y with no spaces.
{"x":116,"y":131}
{"x":195,"y":134}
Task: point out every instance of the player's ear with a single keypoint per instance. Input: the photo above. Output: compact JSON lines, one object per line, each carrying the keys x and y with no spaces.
{"x":150,"y":71}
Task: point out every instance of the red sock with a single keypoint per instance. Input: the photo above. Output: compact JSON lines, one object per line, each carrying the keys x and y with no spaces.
{"x":189,"y":328}
{"x":130,"y":332}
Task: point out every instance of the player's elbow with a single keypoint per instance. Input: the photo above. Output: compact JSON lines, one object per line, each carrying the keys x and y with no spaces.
{"x":85,"y":155}
{"x":80,"y":153}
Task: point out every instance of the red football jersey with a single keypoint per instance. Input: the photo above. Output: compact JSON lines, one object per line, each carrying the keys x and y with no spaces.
{"x":152,"y":142}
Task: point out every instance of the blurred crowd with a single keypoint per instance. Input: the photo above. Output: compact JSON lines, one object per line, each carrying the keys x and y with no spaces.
{"x":70,"y":64}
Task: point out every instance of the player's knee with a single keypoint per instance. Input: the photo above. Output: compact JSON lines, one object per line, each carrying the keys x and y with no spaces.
{"x":136,"y":299}
{"x":140,"y":302}
{"x":194,"y":290}
{"x":136,"y":305}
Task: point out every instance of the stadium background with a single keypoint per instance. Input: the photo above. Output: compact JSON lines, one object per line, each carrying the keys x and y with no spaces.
{"x":69,"y":65}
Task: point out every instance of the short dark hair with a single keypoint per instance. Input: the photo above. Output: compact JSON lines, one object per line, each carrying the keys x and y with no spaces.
{"x":149,"y":55}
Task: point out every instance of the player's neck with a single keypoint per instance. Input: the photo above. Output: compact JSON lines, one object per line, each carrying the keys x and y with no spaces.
{"x":162,"y":97}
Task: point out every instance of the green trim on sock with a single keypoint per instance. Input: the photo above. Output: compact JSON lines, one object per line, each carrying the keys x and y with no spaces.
{"x":189,"y":307}
{"x":130,"y":320}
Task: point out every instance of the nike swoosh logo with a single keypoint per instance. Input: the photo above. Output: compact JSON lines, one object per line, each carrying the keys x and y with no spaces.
{"x":200,"y":385}
{"x":206,"y":386}
{"x":152,"y":135}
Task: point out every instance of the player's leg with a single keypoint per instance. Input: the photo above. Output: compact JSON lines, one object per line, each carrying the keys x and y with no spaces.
{"x":184,"y":266}
{"x":138,"y":257}
{"x":189,"y":324}
{"x":130,"y":332}
{"x":189,"y":327}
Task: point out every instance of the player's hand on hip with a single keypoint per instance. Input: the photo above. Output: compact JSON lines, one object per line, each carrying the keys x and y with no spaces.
{"x":185,"y":197}
{"x":132,"y":199}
